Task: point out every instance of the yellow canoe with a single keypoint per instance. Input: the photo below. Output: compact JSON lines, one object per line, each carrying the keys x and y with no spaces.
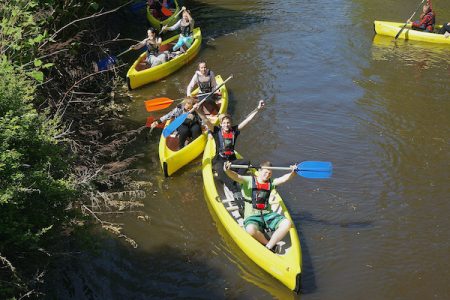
{"x":284,"y":265}
{"x":140,"y":74}
{"x":173,"y":159}
{"x":392,"y":28}
{"x":157,"y":24}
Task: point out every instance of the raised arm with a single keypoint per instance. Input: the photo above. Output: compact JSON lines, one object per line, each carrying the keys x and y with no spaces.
{"x":286,"y":177}
{"x":173,"y":27}
{"x":233,"y":175}
{"x":251,"y":115}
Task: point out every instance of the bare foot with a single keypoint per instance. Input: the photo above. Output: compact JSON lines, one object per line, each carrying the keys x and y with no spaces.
{"x":447,"y":34}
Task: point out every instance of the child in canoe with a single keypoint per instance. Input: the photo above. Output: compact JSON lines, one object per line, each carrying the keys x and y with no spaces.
{"x":186,"y":26}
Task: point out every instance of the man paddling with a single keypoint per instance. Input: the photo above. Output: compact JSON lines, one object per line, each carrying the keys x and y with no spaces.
{"x":225,"y":137}
{"x":258,"y":215}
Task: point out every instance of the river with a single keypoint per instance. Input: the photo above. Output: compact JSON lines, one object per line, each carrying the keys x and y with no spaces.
{"x":378,"y":109}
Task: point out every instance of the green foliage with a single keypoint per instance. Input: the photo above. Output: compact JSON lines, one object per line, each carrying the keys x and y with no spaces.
{"x":34,"y":189}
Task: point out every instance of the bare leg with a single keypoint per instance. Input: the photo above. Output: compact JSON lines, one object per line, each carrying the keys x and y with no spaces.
{"x":280,"y":233}
{"x":254,"y":232}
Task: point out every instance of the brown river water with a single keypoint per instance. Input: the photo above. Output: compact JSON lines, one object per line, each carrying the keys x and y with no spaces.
{"x":378,"y":109}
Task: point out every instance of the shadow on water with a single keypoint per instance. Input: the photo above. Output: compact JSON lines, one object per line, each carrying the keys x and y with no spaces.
{"x":217,"y":21}
{"x":121,"y":272}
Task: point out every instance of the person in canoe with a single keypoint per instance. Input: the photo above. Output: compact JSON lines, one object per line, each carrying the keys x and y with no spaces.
{"x":225,"y":137}
{"x":186,"y":26}
{"x":427,"y":19}
{"x":191,"y":127}
{"x":152,"y":42}
{"x":160,"y":9}
{"x":206,"y":82}
{"x":258,"y":215}
{"x":445,"y":30}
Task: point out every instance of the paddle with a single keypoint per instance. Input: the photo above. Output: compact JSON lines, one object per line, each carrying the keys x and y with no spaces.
{"x":398,"y":34}
{"x":105,"y":63}
{"x":161,"y":103}
{"x":180,"y":119}
{"x":307,"y":169}
{"x":150,"y":120}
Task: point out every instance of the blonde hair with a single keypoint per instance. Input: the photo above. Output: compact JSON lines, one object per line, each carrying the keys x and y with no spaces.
{"x":189,"y":100}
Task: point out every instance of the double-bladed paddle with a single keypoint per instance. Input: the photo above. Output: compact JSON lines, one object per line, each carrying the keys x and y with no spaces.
{"x":398,"y":34}
{"x":307,"y":169}
{"x":150,"y":120}
{"x":105,"y":63}
{"x":162,"y":103}
{"x":180,"y":119}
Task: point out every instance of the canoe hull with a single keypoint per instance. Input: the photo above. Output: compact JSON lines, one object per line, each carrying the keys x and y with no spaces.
{"x":286,"y":267}
{"x":157,"y":24}
{"x":137,"y":78}
{"x":392,"y":28}
{"x":172,"y":161}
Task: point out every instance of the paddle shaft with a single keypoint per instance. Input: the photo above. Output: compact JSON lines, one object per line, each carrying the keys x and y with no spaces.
{"x":209,"y":94}
{"x":259,"y":167}
{"x":165,"y":26}
{"x":401,"y":30}
{"x":180,"y":119}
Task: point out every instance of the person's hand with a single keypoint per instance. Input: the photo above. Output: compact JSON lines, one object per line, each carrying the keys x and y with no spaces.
{"x":196,"y":106}
{"x":154,"y":124}
{"x":164,"y":28}
{"x":261,"y":104}
{"x":183,"y":8}
{"x":227,"y":165}
{"x":408,"y":21}
{"x":293,"y":168}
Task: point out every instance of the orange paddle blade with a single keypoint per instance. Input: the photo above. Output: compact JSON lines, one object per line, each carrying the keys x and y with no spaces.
{"x":157,"y":104}
{"x":150,"y":120}
{"x":167,"y":12}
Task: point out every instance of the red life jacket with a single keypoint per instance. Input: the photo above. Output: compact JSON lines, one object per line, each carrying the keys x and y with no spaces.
{"x":226,"y":143}
{"x":261,"y":194}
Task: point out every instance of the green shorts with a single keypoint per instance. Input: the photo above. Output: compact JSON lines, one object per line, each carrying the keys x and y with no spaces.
{"x":272,"y":220}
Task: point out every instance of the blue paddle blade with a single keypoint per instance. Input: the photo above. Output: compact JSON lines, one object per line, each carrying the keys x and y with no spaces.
{"x":316,"y":166}
{"x":138,"y":6}
{"x":315,"y":174}
{"x":169,"y":129}
{"x":106,"y":63}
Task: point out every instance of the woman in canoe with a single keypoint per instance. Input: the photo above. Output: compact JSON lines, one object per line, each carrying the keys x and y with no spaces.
{"x":427,"y":19}
{"x":191,"y":127}
{"x":206,"y":82}
{"x":152,"y":42}
{"x":258,"y":215}
{"x":225,"y":137}
{"x":186,"y":26}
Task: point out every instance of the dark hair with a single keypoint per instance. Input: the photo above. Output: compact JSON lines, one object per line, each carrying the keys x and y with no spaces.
{"x":266,"y":164}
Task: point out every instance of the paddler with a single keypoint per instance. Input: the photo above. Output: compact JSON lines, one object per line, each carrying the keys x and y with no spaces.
{"x":186,"y":26}
{"x":258,"y":215}
{"x":191,"y":127}
{"x":152,"y":42}
{"x":225,"y":137}
{"x":205,"y":79}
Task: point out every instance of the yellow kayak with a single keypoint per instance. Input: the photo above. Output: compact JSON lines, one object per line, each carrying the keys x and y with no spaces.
{"x":157,"y":24}
{"x":285,"y":265}
{"x":173,"y":159}
{"x":140,"y":73}
{"x":392,"y":28}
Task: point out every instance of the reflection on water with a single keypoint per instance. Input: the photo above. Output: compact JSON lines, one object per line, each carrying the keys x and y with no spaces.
{"x":378,"y":109}
{"x":419,"y":54}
